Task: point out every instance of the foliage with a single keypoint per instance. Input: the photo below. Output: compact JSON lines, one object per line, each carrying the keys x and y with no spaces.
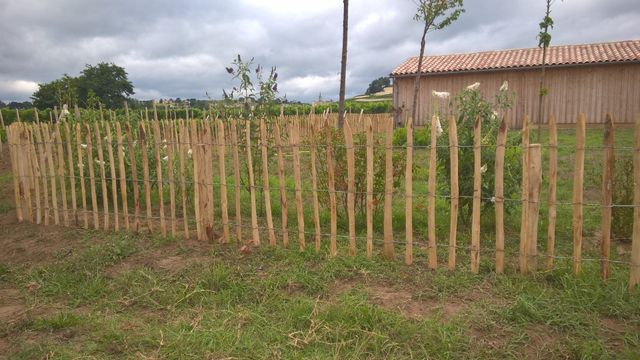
{"x":469,"y":105}
{"x":104,"y":82}
{"x":438,"y":14}
{"x":253,"y":104}
{"x":622,"y":217}
{"x":378,"y":85}
{"x":544,"y":37}
{"x":360,"y":155}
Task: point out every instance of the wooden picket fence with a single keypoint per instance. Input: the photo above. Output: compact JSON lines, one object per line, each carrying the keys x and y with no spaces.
{"x":60,"y":169}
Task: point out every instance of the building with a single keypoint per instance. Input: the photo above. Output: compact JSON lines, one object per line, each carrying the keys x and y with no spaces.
{"x":595,"y":79}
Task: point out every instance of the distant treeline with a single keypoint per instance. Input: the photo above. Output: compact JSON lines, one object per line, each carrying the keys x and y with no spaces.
{"x":28,"y":115}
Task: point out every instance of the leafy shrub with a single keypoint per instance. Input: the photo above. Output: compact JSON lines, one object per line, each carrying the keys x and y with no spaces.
{"x":622,"y":217}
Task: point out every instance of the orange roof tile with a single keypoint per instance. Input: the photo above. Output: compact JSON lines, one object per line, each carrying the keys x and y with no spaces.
{"x":621,"y":51}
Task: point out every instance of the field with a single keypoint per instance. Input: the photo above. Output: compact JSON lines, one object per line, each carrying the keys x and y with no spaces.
{"x":69,"y":293}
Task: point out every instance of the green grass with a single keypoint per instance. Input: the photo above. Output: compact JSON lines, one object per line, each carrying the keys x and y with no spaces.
{"x":278,"y":303}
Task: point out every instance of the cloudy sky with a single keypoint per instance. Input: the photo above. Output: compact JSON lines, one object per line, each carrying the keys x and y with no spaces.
{"x":180,"y":48}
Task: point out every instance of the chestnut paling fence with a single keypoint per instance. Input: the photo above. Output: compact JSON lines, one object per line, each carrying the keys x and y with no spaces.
{"x":230,"y":180}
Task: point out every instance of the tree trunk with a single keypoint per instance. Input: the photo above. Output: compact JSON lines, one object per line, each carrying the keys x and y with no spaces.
{"x":343,"y":67}
{"x":416,"y":89}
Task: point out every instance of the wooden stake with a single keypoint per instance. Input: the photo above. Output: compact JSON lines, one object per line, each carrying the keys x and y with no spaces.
{"x":142,"y":137}
{"x":282,"y":184}
{"x":114,"y":183}
{"x":157,"y":139}
{"x":236,"y":176}
{"x":389,"y":251}
{"x":453,"y":222}
{"x":252,"y":187}
{"x":123,"y":175}
{"x":525,"y":188}
{"x":92,"y":178}
{"x":61,"y":174}
{"x":314,"y":186}
{"x":224,"y":207}
{"x":35,"y":171}
{"x":294,"y":138}
{"x":168,"y":133}
{"x":265,"y":181}
{"x":83,"y":191}
{"x":499,"y":195}
{"x":369,"y":136}
{"x":185,"y":147}
{"x":553,"y":180}
{"x":432,"y":252}
{"x":103,"y":180}
{"x":477,"y":193}
{"x":43,"y":173}
{"x":333,"y":244}
{"x":607,"y":194}
{"x":71,"y":169}
{"x":533,"y":203}
{"x":134,"y":176}
{"x":52,"y":175}
{"x":408,"y":199}
{"x":578,"y":180}
{"x":351,"y":186}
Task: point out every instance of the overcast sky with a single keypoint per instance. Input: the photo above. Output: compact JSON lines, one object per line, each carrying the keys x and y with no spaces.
{"x":180,"y":48}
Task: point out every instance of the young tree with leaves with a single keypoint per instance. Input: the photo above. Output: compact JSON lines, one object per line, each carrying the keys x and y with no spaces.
{"x":544,"y":39}
{"x":343,"y":62}
{"x":436,"y":15}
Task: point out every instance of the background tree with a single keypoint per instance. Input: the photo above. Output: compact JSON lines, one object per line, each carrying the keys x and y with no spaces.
{"x":108,"y":81}
{"x":436,"y":15}
{"x":343,"y":63}
{"x":544,"y":39}
{"x":378,"y":85}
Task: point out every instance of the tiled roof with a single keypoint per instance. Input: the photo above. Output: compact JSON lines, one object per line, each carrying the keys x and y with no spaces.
{"x":612,"y":52}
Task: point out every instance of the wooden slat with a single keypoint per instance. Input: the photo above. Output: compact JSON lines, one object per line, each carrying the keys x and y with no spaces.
{"x":183,"y":150}
{"x":52,"y":175}
{"x":123,"y":176}
{"x":43,"y":173}
{"x":333,"y":245}
{"x":634,"y":271}
{"x":236,"y":176}
{"x":114,"y":182}
{"x":83,"y":191}
{"x":103,"y":177}
{"x":351,"y":186}
{"x":61,"y":174}
{"x":408,"y":199}
{"x":607,"y":196}
{"x":477,"y":193}
{"x":142,"y":140}
{"x":533,"y":203}
{"x":282,"y":184}
{"x":170,"y":147}
{"x":369,"y":200}
{"x":389,"y":251}
{"x":92,"y":178}
{"x":294,"y":131}
{"x":35,"y":171}
{"x":499,"y":195}
{"x":453,"y":222}
{"x":224,"y":206}
{"x":578,"y":181}
{"x":71,"y":170}
{"x":197,"y":174}
{"x":553,"y":181}
{"x":265,"y":182}
{"x":432,"y":255}
{"x":525,"y":188}
{"x":252,"y":187}
{"x":314,"y":185}
{"x":157,"y":141}
{"x":134,"y":176}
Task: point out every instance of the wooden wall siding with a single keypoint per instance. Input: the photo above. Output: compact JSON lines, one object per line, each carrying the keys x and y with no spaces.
{"x":595,"y":90}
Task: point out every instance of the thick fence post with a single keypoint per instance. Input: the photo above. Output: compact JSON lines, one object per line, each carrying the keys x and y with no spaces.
{"x":389,"y":251}
{"x":408,"y":198}
{"x":553,"y":181}
{"x":607,"y":193}
{"x":431,"y":185}
{"x":369,"y":200}
{"x":477,"y":193}
{"x":499,"y":195}
{"x":455,"y":190}
{"x":578,"y":181}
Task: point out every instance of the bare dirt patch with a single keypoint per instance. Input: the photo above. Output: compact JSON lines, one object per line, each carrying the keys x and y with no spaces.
{"x":12,"y":306}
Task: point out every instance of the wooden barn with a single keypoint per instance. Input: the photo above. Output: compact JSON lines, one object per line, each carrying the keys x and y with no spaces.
{"x":595,"y":79}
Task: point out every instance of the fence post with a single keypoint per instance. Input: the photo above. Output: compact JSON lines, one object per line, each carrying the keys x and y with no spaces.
{"x":578,"y":181}
{"x":112,"y":172}
{"x":533,"y":203}
{"x":103,"y":180}
{"x":499,"y":195}
{"x":196,"y":140}
{"x":453,"y":223}
{"x":142,"y":137}
{"x":389,"y":251}
{"x":156,"y":146}
{"x":92,"y":177}
{"x":553,"y":180}
{"x":185,"y":147}
{"x":252,"y":187}
{"x":52,"y":175}
{"x":282,"y":184}
{"x":351,"y":198}
{"x":634,"y":271}
{"x":431,"y":185}
{"x":295,"y":143}
{"x":607,"y":189}
{"x":265,"y":182}
{"x":408,"y":176}
{"x":171,"y":140}
{"x":35,"y":172}
{"x":369,"y":135}
{"x":333,"y":249}
{"x":83,"y":191}
{"x":224,"y":206}
{"x":14,"y":151}
{"x":72,"y":174}
{"x":61,"y":175}
{"x":123,"y":176}
{"x":314,"y":185}
{"x":43,"y":173}
{"x":134,"y":175}
{"x":236,"y":176}
{"x":477,"y":193}
{"x":524,"y":199}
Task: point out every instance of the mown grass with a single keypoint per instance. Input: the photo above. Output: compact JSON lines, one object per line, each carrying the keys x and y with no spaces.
{"x":111,"y":299}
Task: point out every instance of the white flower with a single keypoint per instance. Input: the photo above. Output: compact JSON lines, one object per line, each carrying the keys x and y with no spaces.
{"x":440,"y":94}
{"x":165,"y":158}
{"x":495,"y":114}
{"x":473,"y":86}
{"x":505,"y":86}
{"x":483,"y":169}
{"x":438,"y":127}
{"x":84,"y":146}
{"x":189,"y":152}
{"x":493,"y":199}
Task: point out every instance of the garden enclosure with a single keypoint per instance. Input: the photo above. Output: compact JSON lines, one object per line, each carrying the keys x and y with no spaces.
{"x":365,"y":188}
